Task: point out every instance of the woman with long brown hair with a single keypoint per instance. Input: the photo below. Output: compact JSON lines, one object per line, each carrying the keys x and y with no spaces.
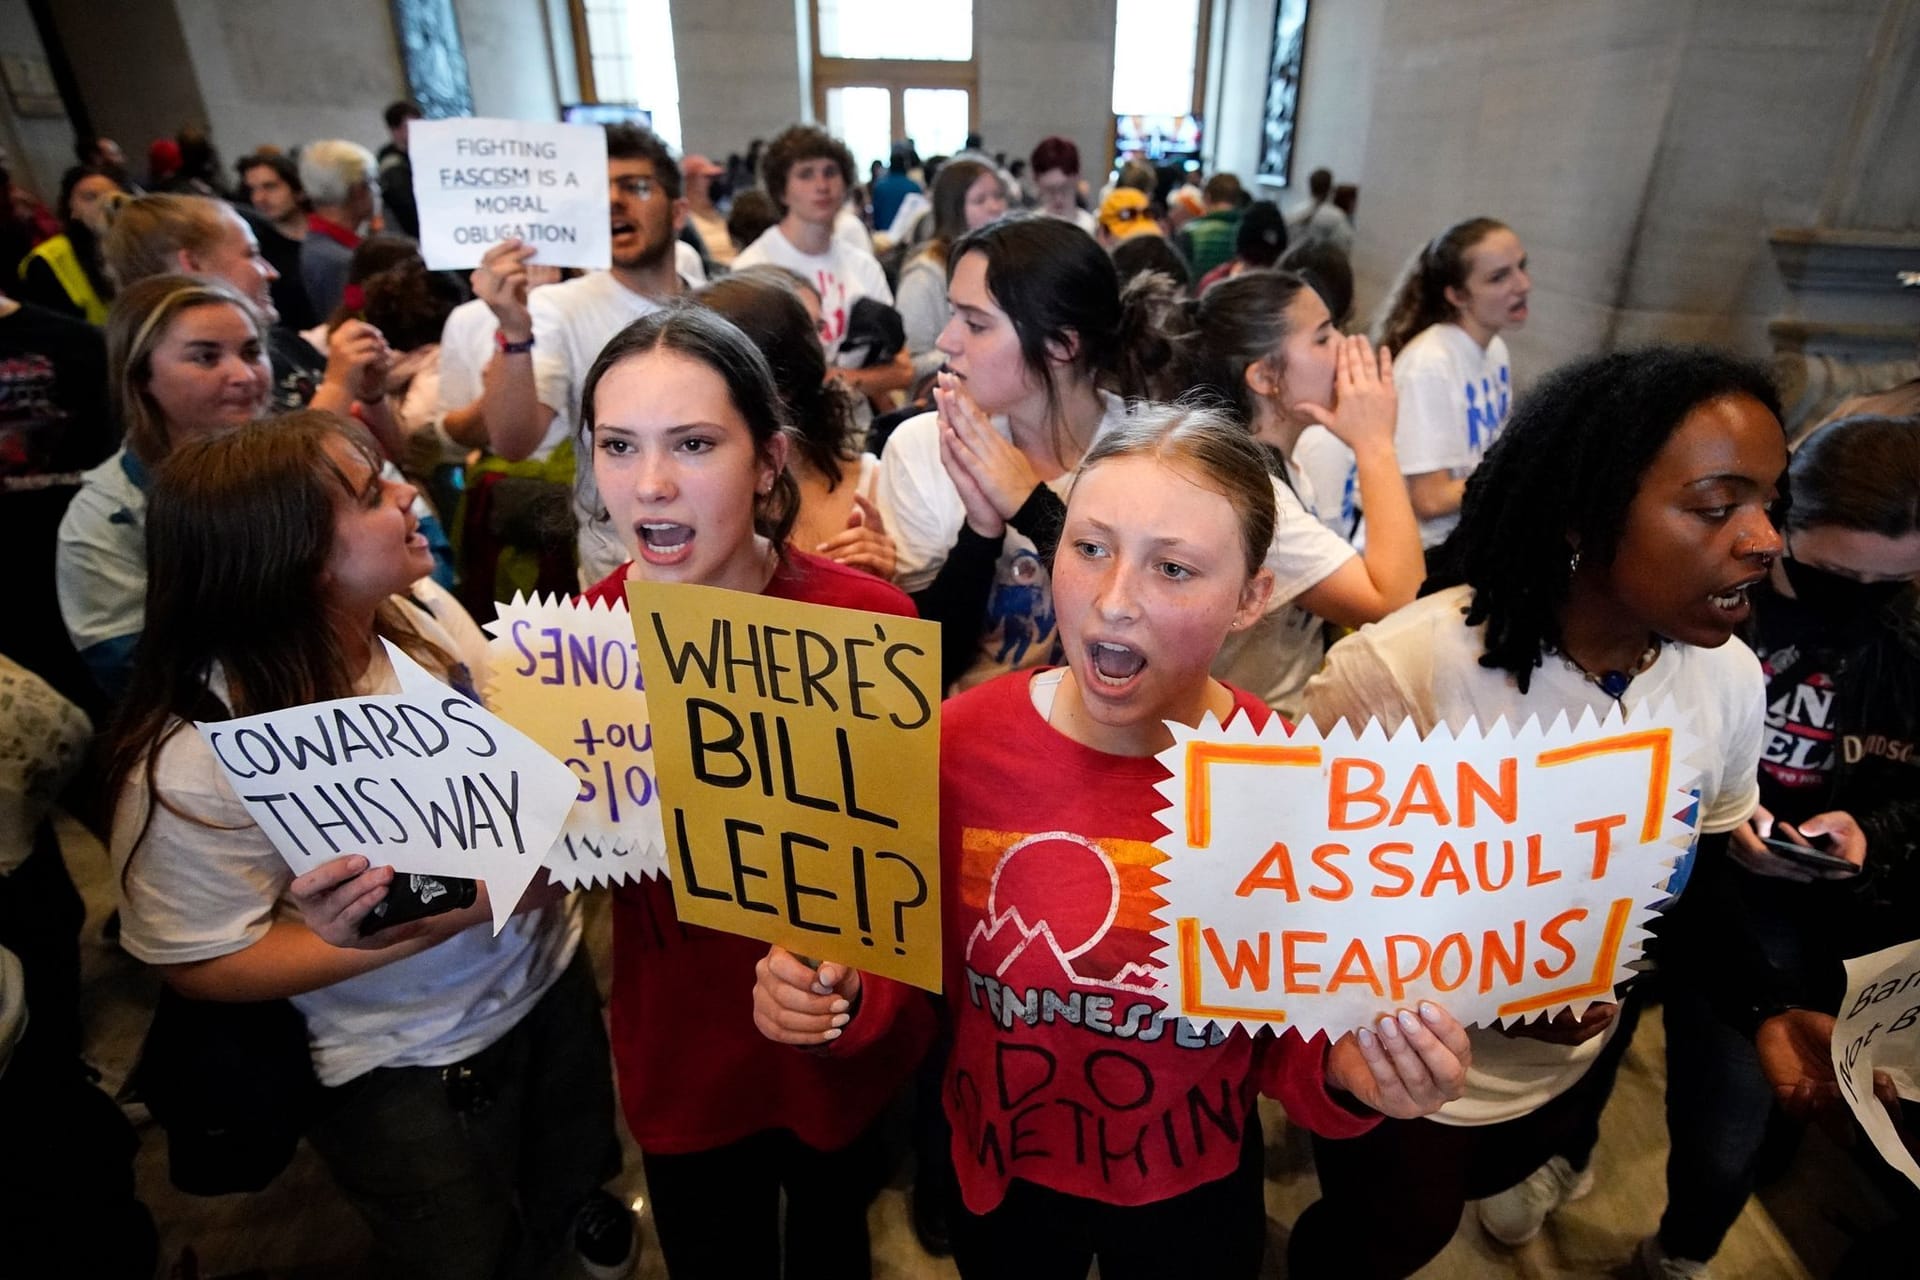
{"x":280,"y":559}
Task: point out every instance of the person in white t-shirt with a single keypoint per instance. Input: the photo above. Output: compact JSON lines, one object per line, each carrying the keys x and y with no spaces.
{"x":1464,"y":289}
{"x":805,"y":171}
{"x":289,"y":525}
{"x":1265,"y":345}
{"x":1605,"y":556}
{"x":548,"y":339}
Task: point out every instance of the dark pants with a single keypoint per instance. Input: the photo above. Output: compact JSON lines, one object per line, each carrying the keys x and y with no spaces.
{"x":1391,"y":1199}
{"x":1217,"y":1230}
{"x":473,"y":1172}
{"x":717,"y":1213}
{"x":66,"y":1180}
{"x":1718,"y":1109}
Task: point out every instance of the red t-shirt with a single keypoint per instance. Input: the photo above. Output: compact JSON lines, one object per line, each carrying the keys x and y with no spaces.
{"x":694,"y":1071}
{"x":1062,"y":1071}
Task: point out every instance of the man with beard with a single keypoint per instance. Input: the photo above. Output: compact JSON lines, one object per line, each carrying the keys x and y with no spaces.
{"x":548,"y":342}
{"x":272,"y":188}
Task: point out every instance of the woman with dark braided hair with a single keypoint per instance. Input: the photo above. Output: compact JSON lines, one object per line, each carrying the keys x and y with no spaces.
{"x":1606,"y":546}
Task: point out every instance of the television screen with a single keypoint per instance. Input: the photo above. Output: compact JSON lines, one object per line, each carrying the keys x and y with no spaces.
{"x":605,"y":113}
{"x":1160,"y":140}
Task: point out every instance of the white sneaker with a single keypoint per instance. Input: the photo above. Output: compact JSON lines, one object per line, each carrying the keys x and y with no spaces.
{"x":1515,"y":1215}
{"x":1654,"y":1263}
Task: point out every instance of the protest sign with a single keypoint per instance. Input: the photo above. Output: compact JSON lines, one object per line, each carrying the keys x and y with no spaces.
{"x":1320,"y":880}
{"x":1879,"y":1030}
{"x":567,"y":674}
{"x":798,"y":755}
{"x":423,"y":780}
{"x":478,"y":182}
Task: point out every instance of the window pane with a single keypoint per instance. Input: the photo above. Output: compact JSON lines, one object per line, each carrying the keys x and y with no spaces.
{"x":862,"y":117}
{"x":935,"y":30}
{"x":1154,"y":46}
{"x":936,"y":120}
{"x":654,"y":77}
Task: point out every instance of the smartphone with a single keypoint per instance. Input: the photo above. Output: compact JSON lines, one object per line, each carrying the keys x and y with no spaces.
{"x":413,"y":897}
{"x":1812,"y":857}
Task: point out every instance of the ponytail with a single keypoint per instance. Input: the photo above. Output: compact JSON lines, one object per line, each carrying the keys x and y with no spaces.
{"x":1143,"y":353}
{"x":1420,"y":296}
{"x":1234,"y":326}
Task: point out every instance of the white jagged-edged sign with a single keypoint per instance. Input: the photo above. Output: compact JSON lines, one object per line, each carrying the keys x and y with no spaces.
{"x":1878,"y":1032}
{"x":566,"y":673}
{"x":425,"y":781}
{"x":1319,"y":880}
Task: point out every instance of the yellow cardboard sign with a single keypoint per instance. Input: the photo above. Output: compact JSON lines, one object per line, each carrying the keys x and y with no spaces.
{"x":797,"y":749}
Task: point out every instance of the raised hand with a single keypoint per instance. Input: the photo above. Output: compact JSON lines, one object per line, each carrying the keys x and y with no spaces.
{"x":1365,"y":404}
{"x":864,"y":543}
{"x":1000,"y":472}
{"x":502,"y":281}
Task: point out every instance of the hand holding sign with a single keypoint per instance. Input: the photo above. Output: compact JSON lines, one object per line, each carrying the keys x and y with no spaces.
{"x":798,"y":752}
{"x":422,"y":780}
{"x":1406,"y":1065}
{"x":1876,"y":1047}
{"x":1317,"y":881}
{"x":795,"y":1003}
{"x":480,"y":182}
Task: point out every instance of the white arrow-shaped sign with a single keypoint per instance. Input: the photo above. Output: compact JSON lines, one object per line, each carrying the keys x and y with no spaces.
{"x":425,"y":781}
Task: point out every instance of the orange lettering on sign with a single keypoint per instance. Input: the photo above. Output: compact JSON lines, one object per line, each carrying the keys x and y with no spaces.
{"x":1273,"y":871}
{"x":1421,"y":796}
{"x":1599,"y":985}
{"x":1292,"y":968}
{"x":1323,"y":857}
{"x":1342,"y":796}
{"x":1601,"y":829}
{"x":1187,"y":932}
{"x":1402,"y":878}
{"x":1503,"y":800}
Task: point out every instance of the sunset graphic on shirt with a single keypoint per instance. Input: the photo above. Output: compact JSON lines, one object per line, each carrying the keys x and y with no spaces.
{"x":1060,"y":910}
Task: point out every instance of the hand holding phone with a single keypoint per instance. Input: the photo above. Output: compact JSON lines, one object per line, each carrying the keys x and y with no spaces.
{"x":1815,"y":853}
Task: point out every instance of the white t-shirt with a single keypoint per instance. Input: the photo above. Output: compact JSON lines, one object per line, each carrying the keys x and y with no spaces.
{"x":572,"y":322}
{"x":1274,"y":658}
{"x":842,"y":276}
{"x":686,"y":261}
{"x":466,"y":345}
{"x":1454,"y":399}
{"x":1422,"y":663}
{"x":850,"y":231}
{"x":1082,"y":219}
{"x":924,"y":513}
{"x":1334,"y":476}
{"x":197,"y":892}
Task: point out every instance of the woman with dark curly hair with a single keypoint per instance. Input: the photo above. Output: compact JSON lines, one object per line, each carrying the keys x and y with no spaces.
{"x":1605,"y":549}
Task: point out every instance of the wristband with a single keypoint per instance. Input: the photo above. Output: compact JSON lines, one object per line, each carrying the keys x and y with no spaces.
{"x":512,"y":348}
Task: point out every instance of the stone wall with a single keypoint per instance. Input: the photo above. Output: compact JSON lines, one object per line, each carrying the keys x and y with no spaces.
{"x":1643,"y":149}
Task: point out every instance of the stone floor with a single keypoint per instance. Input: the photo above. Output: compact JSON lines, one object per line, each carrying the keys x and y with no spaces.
{"x":299,"y":1229}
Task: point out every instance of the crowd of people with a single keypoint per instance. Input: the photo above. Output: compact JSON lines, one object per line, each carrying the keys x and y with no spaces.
{"x":1123,"y":443}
